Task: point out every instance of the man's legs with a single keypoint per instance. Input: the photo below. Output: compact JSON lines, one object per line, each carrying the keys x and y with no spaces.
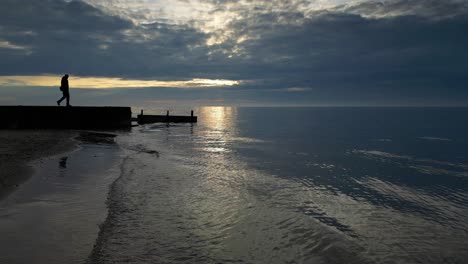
{"x":66,"y":95}
{"x":61,"y":99}
{"x":68,"y":99}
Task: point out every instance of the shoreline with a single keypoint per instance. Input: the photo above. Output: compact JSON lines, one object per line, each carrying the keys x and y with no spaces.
{"x":64,"y":188}
{"x":21,"y":148}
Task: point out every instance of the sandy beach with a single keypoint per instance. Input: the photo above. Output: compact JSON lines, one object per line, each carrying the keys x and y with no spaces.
{"x":20,"y":147}
{"x":54,"y":189}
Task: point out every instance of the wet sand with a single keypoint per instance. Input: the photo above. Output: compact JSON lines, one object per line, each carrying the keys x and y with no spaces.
{"x":20,"y":147}
{"x":54,"y":199}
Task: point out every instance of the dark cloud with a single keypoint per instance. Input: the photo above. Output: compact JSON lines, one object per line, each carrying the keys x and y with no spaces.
{"x":331,"y":51}
{"x":78,"y":38}
{"x":59,"y":36}
{"x":53,"y":15}
{"x":372,"y":51}
{"x":433,"y":9}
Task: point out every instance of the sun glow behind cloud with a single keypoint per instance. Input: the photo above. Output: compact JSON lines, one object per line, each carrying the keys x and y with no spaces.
{"x":210,"y":17}
{"x":107,"y":82}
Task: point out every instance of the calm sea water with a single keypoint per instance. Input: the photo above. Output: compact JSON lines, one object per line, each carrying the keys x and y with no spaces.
{"x":292,"y":185}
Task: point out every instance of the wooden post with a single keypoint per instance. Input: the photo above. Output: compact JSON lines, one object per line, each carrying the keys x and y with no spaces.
{"x":141,"y":112}
{"x":167,"y":114}
{"x":191,"y":113}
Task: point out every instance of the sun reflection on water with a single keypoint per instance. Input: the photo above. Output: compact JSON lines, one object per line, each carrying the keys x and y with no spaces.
{"x":220,"y":124}
{"x":218,"y":117}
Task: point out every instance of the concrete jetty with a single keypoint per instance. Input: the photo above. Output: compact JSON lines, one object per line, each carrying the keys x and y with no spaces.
{"x":55,"y":117}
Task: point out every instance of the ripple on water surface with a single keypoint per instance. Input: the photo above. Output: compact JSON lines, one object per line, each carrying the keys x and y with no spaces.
{"x":217,"y":194}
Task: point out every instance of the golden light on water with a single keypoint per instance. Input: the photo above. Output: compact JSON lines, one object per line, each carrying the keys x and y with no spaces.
{"x":107,"y":82}
{"x":220,"y":121}
{"x":219,"y":118}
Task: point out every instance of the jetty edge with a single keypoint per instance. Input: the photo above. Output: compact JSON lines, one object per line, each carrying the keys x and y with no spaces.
{"x":75,"y":117}
{"x":80,"y":117}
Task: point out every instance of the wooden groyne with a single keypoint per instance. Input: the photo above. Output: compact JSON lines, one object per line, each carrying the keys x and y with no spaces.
{"x":55,"y":117}
{"x":146,"y":119}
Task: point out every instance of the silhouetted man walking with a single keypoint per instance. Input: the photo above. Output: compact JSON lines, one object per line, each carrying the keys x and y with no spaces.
{"x":65,"y":90}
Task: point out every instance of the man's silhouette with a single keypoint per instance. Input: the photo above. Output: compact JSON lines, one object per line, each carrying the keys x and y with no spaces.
{"x":65,"y":90}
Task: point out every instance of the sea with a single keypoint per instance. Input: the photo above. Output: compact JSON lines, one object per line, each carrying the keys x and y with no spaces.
{"x":276,"y":185}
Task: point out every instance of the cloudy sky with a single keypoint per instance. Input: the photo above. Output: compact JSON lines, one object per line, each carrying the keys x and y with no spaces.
{"x":235,"y":52}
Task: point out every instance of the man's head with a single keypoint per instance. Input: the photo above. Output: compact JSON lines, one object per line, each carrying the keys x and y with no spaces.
{"x":66,"y":76}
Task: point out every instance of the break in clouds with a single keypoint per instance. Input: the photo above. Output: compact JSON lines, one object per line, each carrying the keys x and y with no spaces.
{"x":393,"y":51}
